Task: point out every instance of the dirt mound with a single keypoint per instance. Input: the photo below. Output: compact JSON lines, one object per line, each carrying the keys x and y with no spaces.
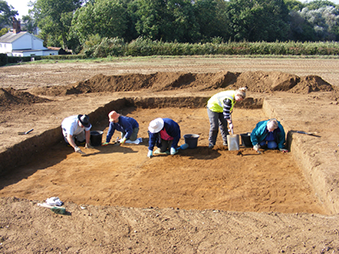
{"x":258,"y":81}
{"x":310,"y":84}
{"x":10,"y":96}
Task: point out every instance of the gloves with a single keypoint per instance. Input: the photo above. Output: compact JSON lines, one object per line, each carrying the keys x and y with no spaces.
{"x":283,"y":150}
{"x":122,"y":141}
{"x":150,"y":153}
{"x":173,"y":151}
{"x":256,"y":147}
{"x":104,"y":144}
{"x":88,"y":145}
{"x":78,"y":150}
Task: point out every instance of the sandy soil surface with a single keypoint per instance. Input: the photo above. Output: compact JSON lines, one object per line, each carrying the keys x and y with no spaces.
{"x":198,"y":201}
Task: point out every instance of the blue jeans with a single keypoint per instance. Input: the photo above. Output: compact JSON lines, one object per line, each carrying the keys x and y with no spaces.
{"x":269,"y":144}
{"x":217,"y":121}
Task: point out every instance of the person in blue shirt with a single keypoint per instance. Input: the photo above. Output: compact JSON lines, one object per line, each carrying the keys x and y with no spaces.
{"x":128,"y":127}
{"x":268,"y":134}
{"x":165,"y":134}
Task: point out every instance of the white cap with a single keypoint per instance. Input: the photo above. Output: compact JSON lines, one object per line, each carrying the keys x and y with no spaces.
{"x":156,"y":125}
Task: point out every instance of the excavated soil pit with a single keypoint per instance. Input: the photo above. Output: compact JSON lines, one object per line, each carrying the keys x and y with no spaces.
{"x":198,"y":178}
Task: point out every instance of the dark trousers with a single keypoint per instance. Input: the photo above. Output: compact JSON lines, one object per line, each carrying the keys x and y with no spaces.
{"x":217,"y":121}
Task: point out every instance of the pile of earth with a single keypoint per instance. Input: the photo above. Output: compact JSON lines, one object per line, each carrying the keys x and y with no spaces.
{"x":10,"y":96}
{"x":258,"y":81}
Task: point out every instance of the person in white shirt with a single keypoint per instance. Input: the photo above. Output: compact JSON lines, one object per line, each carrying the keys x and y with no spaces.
{"x":76,"y":131}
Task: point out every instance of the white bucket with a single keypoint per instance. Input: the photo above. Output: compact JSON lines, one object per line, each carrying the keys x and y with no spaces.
{"x":233,"y":142}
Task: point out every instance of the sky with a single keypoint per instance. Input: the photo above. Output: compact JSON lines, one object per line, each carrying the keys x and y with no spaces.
{"x":22,"y":8}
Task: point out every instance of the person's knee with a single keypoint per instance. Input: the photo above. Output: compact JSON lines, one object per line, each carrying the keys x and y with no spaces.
{"x":272,"y":145}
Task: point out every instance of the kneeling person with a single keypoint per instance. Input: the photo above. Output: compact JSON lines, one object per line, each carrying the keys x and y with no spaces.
{"x":165,"y":134}
{"x":268,"y":134}
{"x":128,"y":127}
{"x":76,"y":131}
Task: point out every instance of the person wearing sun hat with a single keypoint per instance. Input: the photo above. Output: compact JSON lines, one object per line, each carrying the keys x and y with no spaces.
{"x":268,"y":134}
{"x":76,"y":131}
{"x":128,"y":127}
{"x":165,"y":134}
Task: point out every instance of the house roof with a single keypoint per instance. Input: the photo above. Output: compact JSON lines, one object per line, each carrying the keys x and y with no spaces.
{"x":11,"y":37}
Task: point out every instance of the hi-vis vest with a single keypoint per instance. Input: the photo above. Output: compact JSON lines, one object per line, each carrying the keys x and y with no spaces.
{"x":215,"y":103}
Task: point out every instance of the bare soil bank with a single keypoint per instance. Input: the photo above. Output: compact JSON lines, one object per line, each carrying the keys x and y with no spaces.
{"x":172,"y":226}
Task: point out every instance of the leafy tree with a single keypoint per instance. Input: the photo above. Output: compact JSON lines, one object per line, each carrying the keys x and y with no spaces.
{"x":317,"y":4}
{"x":107,"y":18}
{"x":294,"y":5}
{"x":4,"y":31}
{"x":54,"y":17}
{"x":150,"y":17}
{"x":258,"y":20}
{"x":181,"y":24}
{"x":207,"y":18}
{"x":300,"y":29}
{"x":29,"y":23}
{"x":7,"y":13}
{"x":324,"y":21}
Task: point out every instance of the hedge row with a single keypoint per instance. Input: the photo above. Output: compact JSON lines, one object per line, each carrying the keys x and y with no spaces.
{"x":146,"y":47}
{"x":115,"y":47}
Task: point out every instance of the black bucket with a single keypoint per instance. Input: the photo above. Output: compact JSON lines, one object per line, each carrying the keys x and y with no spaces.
{"x":96,"y":138}
{"x":246,"y":139}
{"x":191,"y":140}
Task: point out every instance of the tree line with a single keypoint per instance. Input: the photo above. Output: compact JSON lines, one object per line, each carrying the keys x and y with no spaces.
{"x":79,"y":25}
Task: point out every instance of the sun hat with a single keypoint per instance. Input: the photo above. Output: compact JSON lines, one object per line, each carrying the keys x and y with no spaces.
{"x":113,"y":116}
{"x":84,"y":120}
{"x":156,"y":125}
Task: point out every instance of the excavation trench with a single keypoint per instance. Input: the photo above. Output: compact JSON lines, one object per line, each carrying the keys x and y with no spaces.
{"x":198,"y":178}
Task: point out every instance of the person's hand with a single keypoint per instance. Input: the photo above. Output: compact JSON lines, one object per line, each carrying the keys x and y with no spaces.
{"x":88,"y":145}
{"x":78,"y":150}
{"x":173,"y":151}
{"x":150,"y":153}
{"x":104,"y":144}
{"x":230,"y":127}
{"x":283,"y":150}
{"x":122,"y":141}
{"x":256,"y":147}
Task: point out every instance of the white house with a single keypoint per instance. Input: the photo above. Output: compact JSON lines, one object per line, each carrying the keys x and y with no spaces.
{"x":19,"y":43}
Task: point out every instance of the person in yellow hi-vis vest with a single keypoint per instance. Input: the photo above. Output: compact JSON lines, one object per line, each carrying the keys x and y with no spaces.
{"x":219,"y":110}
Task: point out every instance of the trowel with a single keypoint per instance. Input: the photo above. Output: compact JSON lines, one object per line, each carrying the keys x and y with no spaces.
{"x":26,"y":132}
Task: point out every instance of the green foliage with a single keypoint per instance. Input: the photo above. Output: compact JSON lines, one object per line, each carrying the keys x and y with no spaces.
{"x":317,"y":4}
{"x":97,"y":47}
{"x":189,"y":27}
{"x":3,"y":31}
{"x":29,"y":23}
{"x":54,"y":17}
{"x":146,"y":47}
{"x":3,"y":59}
{"x":294,"y":5}
{"x":107,"y":18}
{"x":258,"y":20}
{"x":7,"y":12}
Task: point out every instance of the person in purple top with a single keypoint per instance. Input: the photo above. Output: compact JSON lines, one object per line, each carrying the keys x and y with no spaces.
{"x":128,"y":127}
{"x":165,"y":134}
